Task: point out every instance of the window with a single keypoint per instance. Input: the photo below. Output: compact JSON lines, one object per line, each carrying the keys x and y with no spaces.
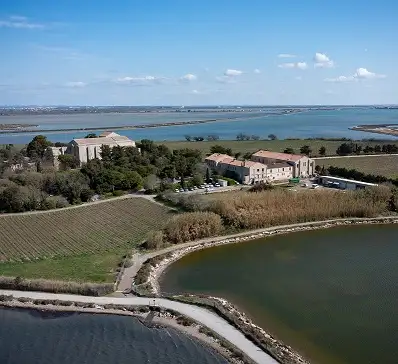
{"x":95,"y":152}
{"x":87,"y":154}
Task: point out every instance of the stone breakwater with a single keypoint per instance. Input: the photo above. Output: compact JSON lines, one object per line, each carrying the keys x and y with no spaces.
{"x":280,"y":351}
{"x":162,"y":319}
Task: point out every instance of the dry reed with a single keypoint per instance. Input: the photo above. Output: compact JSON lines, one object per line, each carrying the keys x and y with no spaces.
{"x":192,"y":226}
{"x":280,"y":207}
{"x":43,"y":285}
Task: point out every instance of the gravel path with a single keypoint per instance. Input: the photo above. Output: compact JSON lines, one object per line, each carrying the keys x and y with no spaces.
{"x":205,"y":317}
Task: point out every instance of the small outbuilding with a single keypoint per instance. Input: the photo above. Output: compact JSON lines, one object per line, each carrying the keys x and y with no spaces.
{"x":343,"y":183}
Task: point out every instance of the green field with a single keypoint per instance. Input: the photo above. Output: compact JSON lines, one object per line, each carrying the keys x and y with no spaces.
{"x":273,"y":145}
{"x":83,"y":244}
{"x":384,"y":165}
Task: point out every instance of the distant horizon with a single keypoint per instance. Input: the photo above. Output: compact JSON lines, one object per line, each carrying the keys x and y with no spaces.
{"x":190,"y":106}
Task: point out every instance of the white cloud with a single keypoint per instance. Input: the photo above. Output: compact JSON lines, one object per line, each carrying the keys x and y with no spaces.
{"x":138,"y":80}
{"x":286,"y":55}
{"x":363,"y":73}
{"x":291,"y":65}
{"x":232,"y":73}
{"x":340,"y":79}
{"x":322,"y":61}
{"x":76,"y":84}
{"x":257,"y":71}
{"x":301,"y":65}
{"x":189,"y":77}
{"x":19,"y":22}
{"x":360,"y":74}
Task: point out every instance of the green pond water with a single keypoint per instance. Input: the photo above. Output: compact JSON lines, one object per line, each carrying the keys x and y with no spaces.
{"x":331,"y":294}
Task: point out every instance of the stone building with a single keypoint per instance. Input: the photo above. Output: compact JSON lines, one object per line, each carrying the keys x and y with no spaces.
{"x":302,"y":166}
{"x":89,"y":148}
{"x":264,"y":166}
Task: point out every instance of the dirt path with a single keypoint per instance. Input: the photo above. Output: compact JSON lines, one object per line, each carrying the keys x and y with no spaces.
{"x":199,"y":314}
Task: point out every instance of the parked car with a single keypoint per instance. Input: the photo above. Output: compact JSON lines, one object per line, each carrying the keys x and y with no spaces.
{"x":217,"y":185}
{"x":181,"y":190}
{"x":186,"y":190}
{"x":314,"y":185}
{"x":190,"y":188}
{"x":176,"y":190}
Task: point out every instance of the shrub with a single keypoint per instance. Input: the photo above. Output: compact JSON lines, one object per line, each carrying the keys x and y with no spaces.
{"x":192,"y":226}
{"x":87,"y":289}
{"x":259,"y":187}
{"x":154,"y":240}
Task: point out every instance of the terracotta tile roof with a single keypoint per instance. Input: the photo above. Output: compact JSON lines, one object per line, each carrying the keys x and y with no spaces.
{"x":278,"y":156}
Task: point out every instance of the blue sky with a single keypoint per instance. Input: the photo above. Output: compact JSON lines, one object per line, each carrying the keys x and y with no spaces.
{"x":157,"y":52}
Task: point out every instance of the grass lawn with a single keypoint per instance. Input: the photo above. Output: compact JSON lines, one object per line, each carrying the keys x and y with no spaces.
{"x":82,"y":244}
{"x":273,"y":145}
{"x":385,"y":166}
{"x":100,"y":268}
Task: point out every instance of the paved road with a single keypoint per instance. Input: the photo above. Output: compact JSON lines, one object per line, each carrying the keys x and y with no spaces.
{"x":205,"y":317}
{"x":355,"y":156}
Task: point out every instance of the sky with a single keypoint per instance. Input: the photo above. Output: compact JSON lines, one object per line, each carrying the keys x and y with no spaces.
{"x":208,"y":52}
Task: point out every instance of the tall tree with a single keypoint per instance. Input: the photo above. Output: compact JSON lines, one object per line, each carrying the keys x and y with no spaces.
{"x":289,"y":150}
{"x":37,"y":147}
{"x":305,"y":149}
{"x":322,"y":151}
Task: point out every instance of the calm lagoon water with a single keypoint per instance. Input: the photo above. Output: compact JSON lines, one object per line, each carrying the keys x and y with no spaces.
{"x":331,"y":294}
{"x":317,"y":123}
{"x":34,"y":337}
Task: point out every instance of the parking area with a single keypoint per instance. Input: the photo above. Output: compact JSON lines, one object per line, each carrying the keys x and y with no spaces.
{"x":208,"y":188}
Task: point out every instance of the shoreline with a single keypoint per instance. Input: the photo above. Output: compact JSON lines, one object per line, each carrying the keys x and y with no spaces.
{"x":163,"y":321}
{"x":383,"y":129}
{"x":281,"y":351}
{"x":180,"y":252}
{"x":212,"y":325}
{"x":133,"y":127}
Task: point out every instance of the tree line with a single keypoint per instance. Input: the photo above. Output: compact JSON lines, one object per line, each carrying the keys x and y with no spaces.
{"x":154,"y":167}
